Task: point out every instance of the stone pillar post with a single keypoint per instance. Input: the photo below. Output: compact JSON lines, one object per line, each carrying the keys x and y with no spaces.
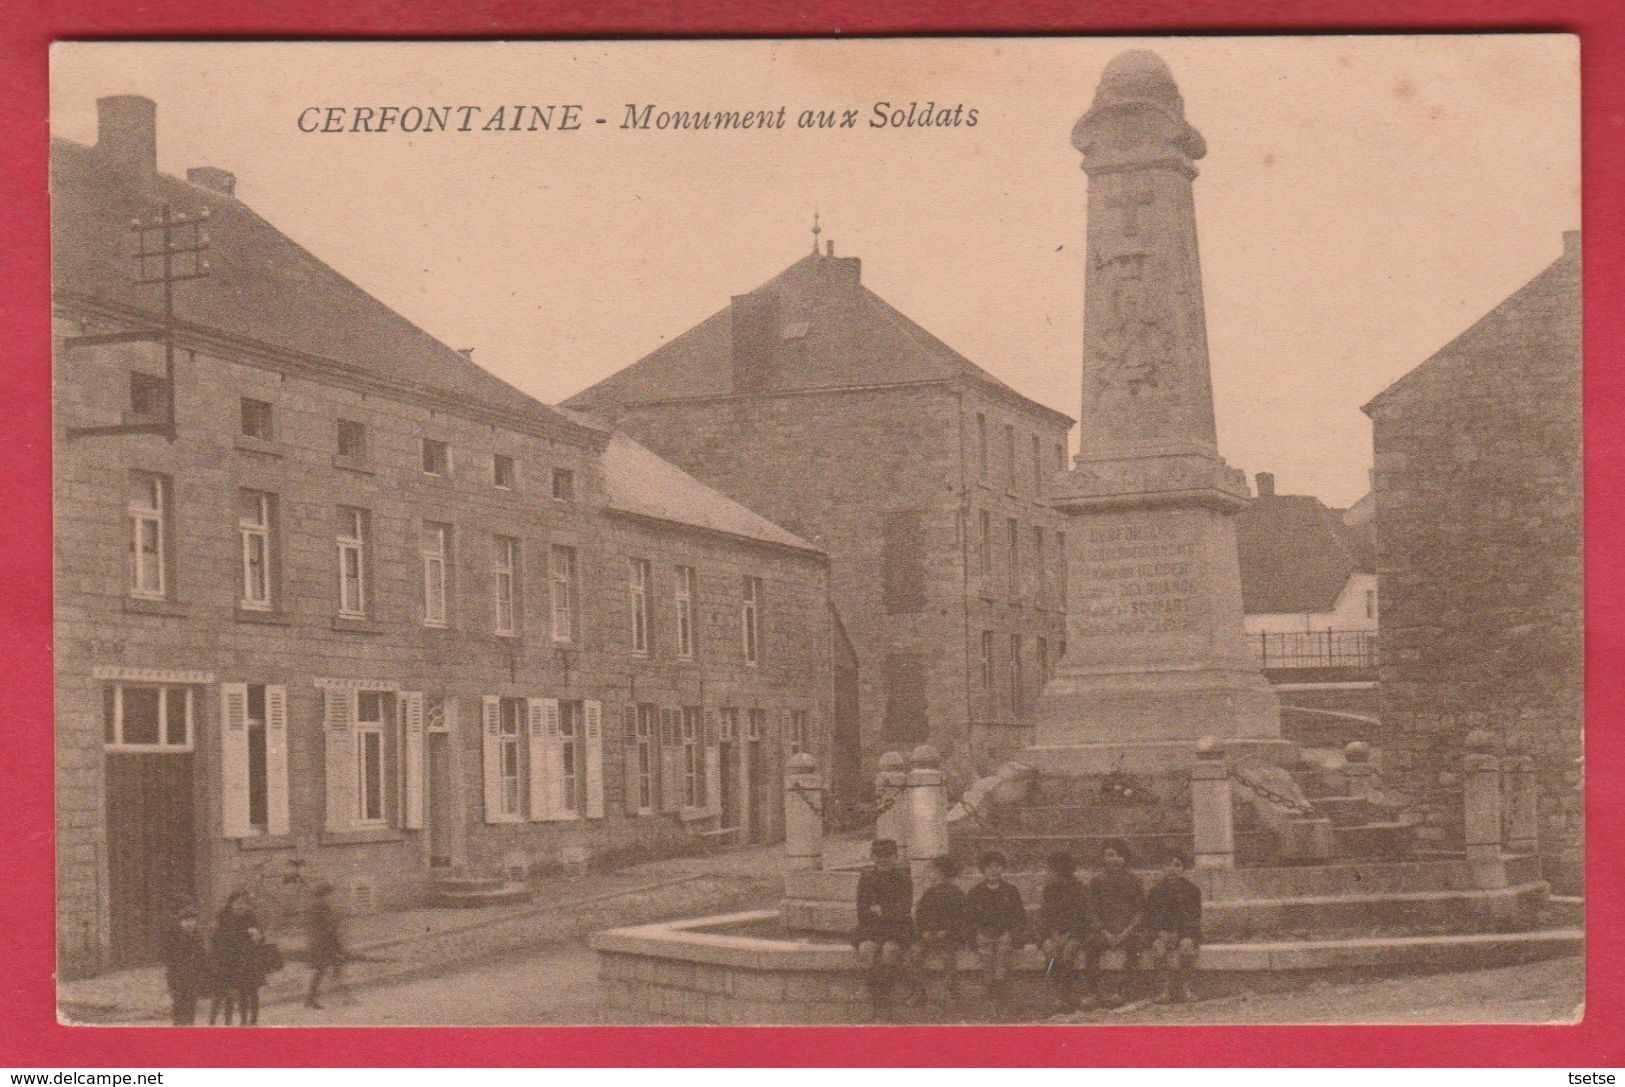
{"x":1522,"y":805}
{"x":1359,"y":776}
{"x":1212,"y":807}
{"x":1481,"y":810}
{"x":803,"y":814}
{"x":927,"y":807}
{"x":891,"y":797}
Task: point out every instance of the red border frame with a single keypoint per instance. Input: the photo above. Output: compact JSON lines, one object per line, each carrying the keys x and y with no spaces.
{"x":29,"y":1034}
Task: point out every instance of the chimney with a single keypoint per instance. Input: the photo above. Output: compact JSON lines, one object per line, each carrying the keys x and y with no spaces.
{"x":829,"y":248}
{"x":1266,"y":484}
{"x":127,"y":131}
{"x":755,"y":320}
{"x":1571,"y":242}
{"x":212,"y":177}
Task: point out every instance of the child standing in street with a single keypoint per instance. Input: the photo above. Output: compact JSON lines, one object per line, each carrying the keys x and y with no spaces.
{"x":187,"y":969}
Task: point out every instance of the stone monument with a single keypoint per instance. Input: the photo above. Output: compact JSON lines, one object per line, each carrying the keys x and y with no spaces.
{"x":1156,"y":656}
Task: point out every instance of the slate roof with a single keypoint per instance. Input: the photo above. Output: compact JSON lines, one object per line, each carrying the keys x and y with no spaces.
{"x":637,"y":481}
{"x":1297,"y":555}
{"x":263,"y":286}
{"x":832,"y":332}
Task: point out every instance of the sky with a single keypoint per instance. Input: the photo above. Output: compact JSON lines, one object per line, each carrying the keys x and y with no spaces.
{"x":1363,"y":201}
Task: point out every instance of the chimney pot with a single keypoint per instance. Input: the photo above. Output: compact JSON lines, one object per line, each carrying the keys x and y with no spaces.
{"x":127,"y":131}
{"x":1266,"y":484}
{"x":212,"y":177}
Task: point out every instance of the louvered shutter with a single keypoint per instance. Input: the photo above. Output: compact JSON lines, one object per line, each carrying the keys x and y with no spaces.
{"x":629,"y":726}
{"x":276,"y":760}
{"x":412,"y":756}
{"x":671,"y":761}
{"x":234,"y":817}
{"x":491,"y":742}
{"x":556,"y":805}
{"x":593,"y":724}
{"x":340,"y":739}
{"x":541,"y":806}
{"x":713,"y":763}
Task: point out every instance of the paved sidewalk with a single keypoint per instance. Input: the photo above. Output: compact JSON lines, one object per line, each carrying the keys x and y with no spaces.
{"x":420,"y":942}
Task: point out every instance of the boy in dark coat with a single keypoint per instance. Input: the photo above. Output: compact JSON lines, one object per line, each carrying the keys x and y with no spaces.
{"x":942,"y":925}
{"x":261,"y":958}
{"x":999,"y":920}
{"x":1119,"y":901}
{"x":324,"y":945}
{"x":1173,"y":918}
{"x":187,"y":971}
{"x":885,"y":919}
{"x":1066,"y":924}
{"x":229,"y":952}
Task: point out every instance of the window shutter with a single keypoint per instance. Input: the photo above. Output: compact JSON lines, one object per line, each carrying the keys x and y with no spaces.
{"x":234,"y":820}
{"x":629,"y":724}
{"x":541,"y":806}
{"x":412,"y":756}
{"x":593,"y":724}
{"x":340,"y":738}
{"x":671,"y":762}
{"x":276,"y":760}
{"x":556,"y":807}
{"x":713,"y":764}
{"x":491,"y":740}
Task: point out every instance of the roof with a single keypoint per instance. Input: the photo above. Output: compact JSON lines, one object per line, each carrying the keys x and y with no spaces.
{"x":262,"y":286}
{"x":830,"y":332}
{"x":638,"y":482}
{"x":1540,"y":316}
{"x":1297,"y":555}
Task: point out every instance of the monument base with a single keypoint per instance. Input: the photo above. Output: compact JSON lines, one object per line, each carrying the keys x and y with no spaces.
{"x":1134,"y":706}
{"x":1085,"y":759}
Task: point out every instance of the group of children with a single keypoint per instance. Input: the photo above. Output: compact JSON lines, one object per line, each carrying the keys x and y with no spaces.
{"x":1105,"y":933}
{"x":232,"y":965}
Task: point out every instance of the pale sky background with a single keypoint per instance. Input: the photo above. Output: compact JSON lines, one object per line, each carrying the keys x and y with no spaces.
{"x":1363,"y":199}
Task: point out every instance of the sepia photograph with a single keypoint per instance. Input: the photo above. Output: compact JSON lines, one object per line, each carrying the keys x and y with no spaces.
{"x":1078,"y":531}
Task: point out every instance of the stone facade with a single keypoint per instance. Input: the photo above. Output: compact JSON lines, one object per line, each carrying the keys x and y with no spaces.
{"x":1480,"y":551}
{"x":915,"y":488}
{"x":257,"y":683}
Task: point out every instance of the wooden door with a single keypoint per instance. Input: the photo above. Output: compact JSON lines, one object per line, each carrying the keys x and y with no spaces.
{"x":150,"y":850}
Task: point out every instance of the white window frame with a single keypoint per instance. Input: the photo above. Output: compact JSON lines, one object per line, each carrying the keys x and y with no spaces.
{"x":692,"y":737}
{"x":561,"y":566}
{"x":149,"y":513}
{"x":638,"y":585}
{"x":797,"y":739}
{"x":434,"y":571}
{"x":751,"y":620}
{"x":511,"y":716}
{"x":647,"y":754}
{"x":352,"y":547}
{"x":571,"y":752}
{"x":755,"y":723}
{"x":1013,"y":534}
{"x":253,"y":532}
{"x":369,"y":732}
{"x":251,"y":725}
{"x":165,"y":692}
{"x":504,"y":568}
{"x":1041,"y":561}
{"x":683,"y":594}
{"x":985,"y":523}
{"x":1017,"y":679}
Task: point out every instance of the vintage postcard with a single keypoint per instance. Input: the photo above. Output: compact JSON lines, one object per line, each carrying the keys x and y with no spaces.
{"x":996,"y":530}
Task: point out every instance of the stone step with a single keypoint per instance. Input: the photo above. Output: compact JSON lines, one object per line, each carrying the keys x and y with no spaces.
{"x":504,"y":894}
{"x":467,"y":883}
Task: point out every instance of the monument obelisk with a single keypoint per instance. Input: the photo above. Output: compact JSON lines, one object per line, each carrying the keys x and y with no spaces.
{"x":1156,"y":656}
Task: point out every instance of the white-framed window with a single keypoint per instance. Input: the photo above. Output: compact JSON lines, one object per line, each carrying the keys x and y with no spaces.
{"x":562,"y":577}
{"x":254,"y":534}
{"x":258,"y":776}
{"x":1010,"y":472}
{"x":989,"y":677}
{"x":639,"y":575}
{"x":504,"y":564}
{"x":728,"y":724}
{"x":571,"y":733}
{"x":502,"y":471}
{"x":436,"y":457}
{"x":372,"y":778}
{"x":434,"y":547}
{"x":683,"y":594}
{"x":756,"y":724}
{"x":751,"y":620}
{"x":985,"y":543}
{"x":1013,"y":532}
{"x":352,"y":550}
{"x":647,"y":755}
{"x":510,"y":756}
{"x":148,"y":717}
{"x":149,"y":535}
{"x":1041,"y":560}
{"x":1017,"y":679}
{"x":693,"y":741}
{"x":798,"y":739}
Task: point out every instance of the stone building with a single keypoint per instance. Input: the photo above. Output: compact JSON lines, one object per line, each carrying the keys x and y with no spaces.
{"x":1480,"y":550}
{"x":813,"y":401}
{"x":1309,"y":592}
{"x":334,"y":603}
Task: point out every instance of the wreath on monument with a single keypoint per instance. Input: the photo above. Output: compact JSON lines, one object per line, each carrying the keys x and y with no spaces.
{"x":1124,"y":789}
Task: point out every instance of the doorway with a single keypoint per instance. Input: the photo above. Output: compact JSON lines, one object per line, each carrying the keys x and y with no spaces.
{"x":150,"y":851}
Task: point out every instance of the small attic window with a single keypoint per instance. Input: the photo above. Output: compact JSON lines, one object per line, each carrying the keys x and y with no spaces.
{"x":795,"y":330}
